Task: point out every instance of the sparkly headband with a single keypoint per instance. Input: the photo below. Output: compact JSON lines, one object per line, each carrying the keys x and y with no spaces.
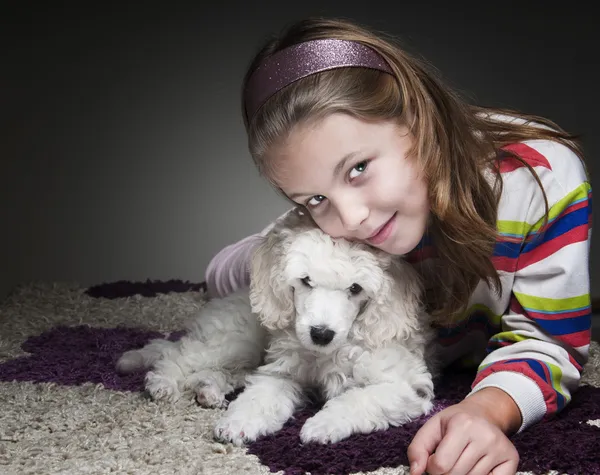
{"x":301,"y":60}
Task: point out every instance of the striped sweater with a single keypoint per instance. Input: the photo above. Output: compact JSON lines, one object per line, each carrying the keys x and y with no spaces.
{"x":531,"y":341}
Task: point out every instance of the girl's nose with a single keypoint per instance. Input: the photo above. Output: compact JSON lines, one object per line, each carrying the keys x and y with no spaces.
{"x":352,"y":216}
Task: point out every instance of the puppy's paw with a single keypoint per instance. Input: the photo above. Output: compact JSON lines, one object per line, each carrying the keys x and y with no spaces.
{"x":161,"y":388}
{"x":236,"y":432}
{"x":211,"y":396}
{"x":210,"y":388}
{"x":239,"y":430}
{"x":325,"y":427}
{"x":244,"y":423}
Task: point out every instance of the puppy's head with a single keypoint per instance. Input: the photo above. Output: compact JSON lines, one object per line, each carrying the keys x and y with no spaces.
{"x":328,"y":289}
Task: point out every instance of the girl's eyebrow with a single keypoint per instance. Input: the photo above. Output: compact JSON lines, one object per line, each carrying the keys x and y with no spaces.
{"x":336,"y":172}
{"x":342,"y":163}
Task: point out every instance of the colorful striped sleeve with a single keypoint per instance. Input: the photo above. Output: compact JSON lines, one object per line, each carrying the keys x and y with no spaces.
{"x":538,"y":356}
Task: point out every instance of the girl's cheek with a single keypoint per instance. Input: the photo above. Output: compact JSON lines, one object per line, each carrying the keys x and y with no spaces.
{"x":326,"y":226}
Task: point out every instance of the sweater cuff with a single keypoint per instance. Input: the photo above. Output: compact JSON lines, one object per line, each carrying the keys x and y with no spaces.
{"x":524,"y":391}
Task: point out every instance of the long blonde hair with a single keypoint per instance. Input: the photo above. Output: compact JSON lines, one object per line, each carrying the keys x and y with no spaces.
{"x":456,"y":144}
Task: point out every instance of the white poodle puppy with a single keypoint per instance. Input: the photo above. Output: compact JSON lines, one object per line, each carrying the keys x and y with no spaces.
{"x":321,"y":314}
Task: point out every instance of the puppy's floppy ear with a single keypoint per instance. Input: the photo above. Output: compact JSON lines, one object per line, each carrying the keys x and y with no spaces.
{"x":396,"y":312}
{"x":271,"y":296}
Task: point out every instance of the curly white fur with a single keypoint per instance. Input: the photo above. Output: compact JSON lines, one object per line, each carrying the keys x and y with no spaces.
{"x":322,"y":313}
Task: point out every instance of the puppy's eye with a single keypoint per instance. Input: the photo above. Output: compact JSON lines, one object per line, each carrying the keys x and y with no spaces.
{"x":306,"y":281}
{"x":355,"y":289}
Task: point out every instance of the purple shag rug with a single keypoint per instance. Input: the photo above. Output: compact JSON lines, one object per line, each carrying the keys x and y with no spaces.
{"x":73,"y":355}
{"x":150,"y":288}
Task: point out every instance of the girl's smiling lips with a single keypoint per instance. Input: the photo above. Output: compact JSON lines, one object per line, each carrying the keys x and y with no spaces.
{"x":382,"y":233}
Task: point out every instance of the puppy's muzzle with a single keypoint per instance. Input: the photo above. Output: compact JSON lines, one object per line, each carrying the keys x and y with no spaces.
{"x":321,"y":335}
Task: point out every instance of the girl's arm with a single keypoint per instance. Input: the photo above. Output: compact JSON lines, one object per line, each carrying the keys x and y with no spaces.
{"x":538,"y":357}
{"x":229,"y":270}
{"x":534,"y":364}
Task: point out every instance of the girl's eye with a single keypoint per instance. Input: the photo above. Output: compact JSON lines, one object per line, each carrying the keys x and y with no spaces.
{"x":315,"y":201}
{"x":358,"y":169}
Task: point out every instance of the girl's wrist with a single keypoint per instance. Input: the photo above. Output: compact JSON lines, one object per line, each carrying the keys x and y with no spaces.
{"x":497,"y":407}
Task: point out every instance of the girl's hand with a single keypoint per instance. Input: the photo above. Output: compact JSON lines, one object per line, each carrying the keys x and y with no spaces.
{"x":468,"y":438}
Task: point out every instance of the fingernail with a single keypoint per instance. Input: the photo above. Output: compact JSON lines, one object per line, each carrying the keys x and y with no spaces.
{"x":413,"y":467}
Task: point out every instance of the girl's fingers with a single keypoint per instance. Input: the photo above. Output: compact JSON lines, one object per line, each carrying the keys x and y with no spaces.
{"x":508,"y":467}
{"x":455,"y":440}
{"x":424,"y":444}
{"x":469,"y":458}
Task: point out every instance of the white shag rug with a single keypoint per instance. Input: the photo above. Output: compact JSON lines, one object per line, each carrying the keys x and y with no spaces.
{"x":54,"y":428}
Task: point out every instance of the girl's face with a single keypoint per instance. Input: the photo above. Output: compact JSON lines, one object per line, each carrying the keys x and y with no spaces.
{"x":356,"y":180}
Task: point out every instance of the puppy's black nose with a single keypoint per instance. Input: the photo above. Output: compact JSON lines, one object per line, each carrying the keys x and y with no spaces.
{"x":321,"y":335}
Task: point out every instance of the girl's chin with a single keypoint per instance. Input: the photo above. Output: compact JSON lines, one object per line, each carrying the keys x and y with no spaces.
{"x":398,"y":248}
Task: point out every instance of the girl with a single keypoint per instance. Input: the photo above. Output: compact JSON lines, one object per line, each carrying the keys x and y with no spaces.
{"x":492,"y":207}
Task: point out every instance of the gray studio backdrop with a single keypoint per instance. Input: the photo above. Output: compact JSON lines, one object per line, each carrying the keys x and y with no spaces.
{"x":123,"y":150}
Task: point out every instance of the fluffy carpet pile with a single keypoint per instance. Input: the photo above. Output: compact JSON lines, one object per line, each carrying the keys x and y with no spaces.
{"x":66,"y":411}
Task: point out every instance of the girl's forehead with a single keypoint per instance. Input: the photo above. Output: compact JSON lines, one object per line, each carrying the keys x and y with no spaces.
{"x":335,"y":137}
{"x":334,"y":133}
{"x":315,"y":155}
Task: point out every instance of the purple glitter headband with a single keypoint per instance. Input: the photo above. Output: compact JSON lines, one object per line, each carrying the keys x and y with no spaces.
{"x":301,"y":60}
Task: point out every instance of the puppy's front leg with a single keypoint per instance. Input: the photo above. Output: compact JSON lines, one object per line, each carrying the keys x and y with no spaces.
{"x":262,"y":408}
{"x":393,"y":388}
{"x":365,"y":410}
